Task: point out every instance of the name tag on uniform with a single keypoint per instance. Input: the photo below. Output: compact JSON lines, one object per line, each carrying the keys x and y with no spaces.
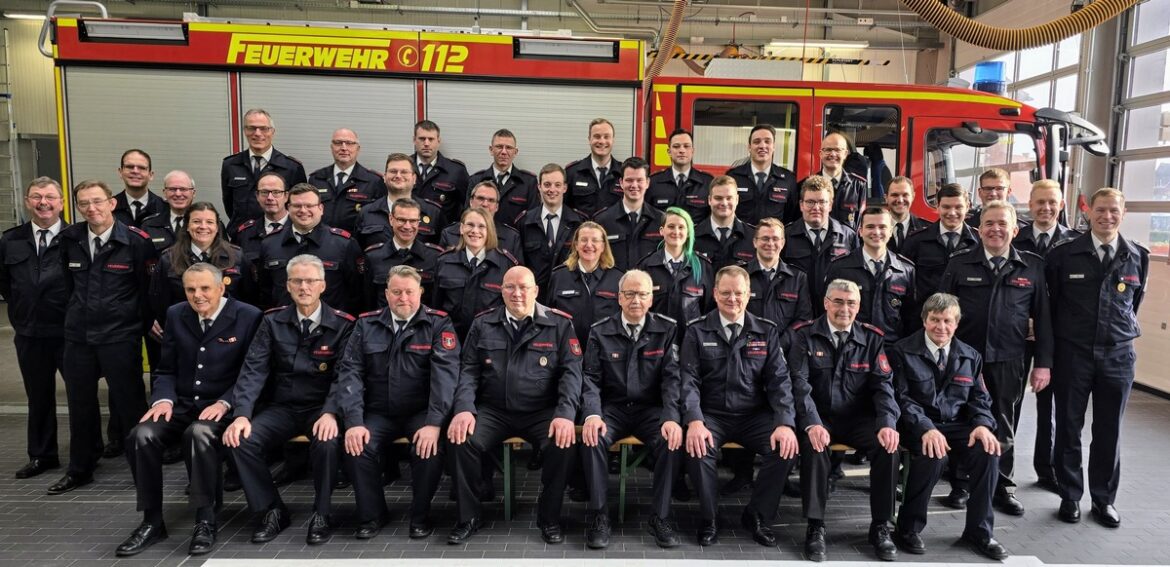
{"x":742,"y":189}
{"x":1076,"y":276}
{"x":582,"y":184}
{"x":710,"y":344}
{"x":569,"y":292}
{"x":613,"y":236}
{"x":239,"y":179}
{"x":228,"y":340}
{"x":74,"y":264}
{"x":975,"y":279}
{"x":160,"y":239}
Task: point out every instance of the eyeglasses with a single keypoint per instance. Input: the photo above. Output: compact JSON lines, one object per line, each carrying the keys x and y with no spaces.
{"x":850,"y":303}
{"x":814,"y":204}
{"x":298,"y":282}
{"x":470,"y":226}
{"x":89,"y":204}
{"x":398,"y":172}
{"x":303,"y":207}
{"x":179,"y":189}
{"x":136,"y":167}
{"x":344,"y":143}
{"x":731,"y":294}
{"x":406,"y":221}
{"x":271,"y":193}
{"x":643,"y":295}
{"x":993,"y":188}
{"x":261,"y":129}
{"x":504,"y":148}
{"x":513,"y":288}
{"x":39,"y":198}
{"x":833,"y":150}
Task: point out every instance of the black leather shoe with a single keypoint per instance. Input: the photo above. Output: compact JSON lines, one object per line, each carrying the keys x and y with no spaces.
{"x":737,"y":483}
{"x":68,"y":483}
{"x":987,"y":547}
{"x":172,"y":455}
{"x":463,"y":531}
{"x":597,"y":536}
{"x":1070,"y":511}
{"x":1106,"y":515}
{"x":144,"y":536}
{"x":664,"y":533}
{"x":536,"y":461}
{"x":231,"y":482}
{"x":1048,"y":483}
{"x":910,"y":541}
{"x":320,"y":531}
{"x":814,"y":543}
{"x":552,"y":533}
{"x":760,"y":531}
{"x":883,"y":545}
{"x":369,"y":530}
{"x":341,"y":481}
{"x":202,"y":538}
{"x":113,"y":449}
{"x":957,"y":499}
{"x":36,"y":467}
{"x":709,"y":533}
{"x":420,"y":531}
{"x":275,"y":520}
{"x":1007,"y":503}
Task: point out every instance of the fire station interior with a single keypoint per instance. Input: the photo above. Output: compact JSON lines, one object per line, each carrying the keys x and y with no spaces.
{"x":1104,"y":85}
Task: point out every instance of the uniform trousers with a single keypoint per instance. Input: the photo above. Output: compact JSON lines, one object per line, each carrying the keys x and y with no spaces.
{"x":84,"y":365}
{"x":753,"y":431}
{"x":39,"y":359}
{"x":365,"y":470}
{"x":202,"y":447}
{"x":621,"y":421}
{"x":1042,"y":458}
{"x":272,"y":427}
{"x":925,"y":472}
{"x":1105,"y":374}
{"x":494,"y":425}
{"x":1005,"y":382}
{"x":815,"y":468}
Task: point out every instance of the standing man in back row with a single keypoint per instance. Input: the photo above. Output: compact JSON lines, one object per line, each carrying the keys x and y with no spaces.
{"x":765,"y":189}
{"x":849,"y":190}
{"x":681,"y":185}
{"x":593,"y":182}
{"x":345,"y":186}
{"x":240,"y":172}
{"x":136,"y":202}
{"x":440,"y":179}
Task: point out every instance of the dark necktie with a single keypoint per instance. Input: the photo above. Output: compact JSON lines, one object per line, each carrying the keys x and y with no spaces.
{"x":273,"y":227}
{"x":500,"y":179}
{"x":941,"y":361}
{"x":1106,"y":255}
{"x":42,"y":241}
{"x":633,"y":329}
{"x":761,"y":179}
{"x":178,"y":225}
{"x":1042,"y":243}
{"x":423,"y":170}
{"x":878,"y":267}
{"x":952,"y":237}
{"x":305,"y":324}
{"x":399,"y":325}
{"x":340,"y":179}
{"x":633,"y":220}
{"x":474,"y":261}
{"x":518,"y":329}
{"x":587,"y":278}
{"x":137,"y":211}
{"x":733,"y":332}
{"x":601,"y":173}
{"x":836,"y":182}
{"x":817,"y":237}
{"x":203,"y":257}
{"x":258,"y":167}
{"x":899,"y":234}
{"x":681,"y":180}
{"x":97,"y":246}
{"x":206,"y":325}
{"x":771,"y":273}
{"x":997,"y":263}
{"x":724,"y":232}
{"x":300,"y":237}
{"x":842,"y":336}
{"x":549,"y":233}
{"x":675,"y":266}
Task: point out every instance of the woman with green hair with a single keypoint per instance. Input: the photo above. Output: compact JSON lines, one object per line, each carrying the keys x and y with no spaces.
{"x":683,"y":279}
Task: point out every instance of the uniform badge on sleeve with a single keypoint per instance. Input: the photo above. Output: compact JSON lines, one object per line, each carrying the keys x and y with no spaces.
{"x":575,"y":347}
{"x":447,"y":339}
{"x":883,"y":363}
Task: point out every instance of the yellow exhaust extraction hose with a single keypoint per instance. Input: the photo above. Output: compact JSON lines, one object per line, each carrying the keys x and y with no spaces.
{"x":667,"y":46}
{"x":1008,"y":39}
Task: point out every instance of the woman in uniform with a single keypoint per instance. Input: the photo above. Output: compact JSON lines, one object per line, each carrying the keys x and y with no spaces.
{"x":586,"y":285}
{"x":683,"y":279}
{"x":468,"y":278}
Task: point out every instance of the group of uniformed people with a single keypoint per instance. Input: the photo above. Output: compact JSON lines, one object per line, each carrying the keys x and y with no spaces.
{"x":785,"y":316}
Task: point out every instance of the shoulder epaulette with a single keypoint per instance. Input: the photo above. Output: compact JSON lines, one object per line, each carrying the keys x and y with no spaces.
{"x":801,"y":325}
{"x":1139,"y":245}
{"x":291,"y":158}
{"x":880,"y":332}
{"x":139,"y":231}
{"x":275,"y":309}
{"x":560,"y":268}
{"x":839,"y":258}
{"x":374,"y":246}
{"x":508,"y":255}
{"x":344,"y":315}
{"x":559,"y":312}
{"x":664,"y":318}
{"x":573,"y":164}
{"x":437,"y":312}
{"x":434,"y":246}
{"x":455,"y":161}
{"x":903,"y":258}
{"x":601,"y":321}
{"x":516,"y":170}
{"x":340,"y":232}
{"x":767,"y":321}
{"x":695,"y":321}
{"x":856,"y":176}
{"x":1060,"y":243}
{"x":486,"y":311}
{"x":271,"y":234}
{"x":373,"y":313}
{"x":245,"y":225}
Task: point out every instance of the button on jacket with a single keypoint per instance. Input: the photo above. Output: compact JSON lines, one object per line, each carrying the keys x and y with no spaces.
{"x":373,"y":224}
{"x":197,"y":368}
{"x":398,"y":375}
{"x":679,"y":295}
{"x":34,"y":287}
{"x":166,"y":287}
{"x":664,"y":192}
{"x":108,"y":293}
{"x":463,"y":292}
{"x":778,"y":198}
{"x":382,"y":256}
{"x":737,"y":248}
{"x":930,"y":397}
{"x":887,"y":300}
{"x":838,"y":240}
{"x":632,"y":372}
{"x":445,"y":183}
{"x":927,"y":248}
{"x":343,"y":205}
{"x":238,"y":179}
{"x":338,"y":252}
{"x":1097,"y":305}
{"x":737,"y":378}
{"x":631,"y":243}
{"x":567,"y":292}
{"x":844,"y":382}
{"x":541,"y":370}
{"x":538,"y":256}
{"x":783,"y":300}
{"x":584,"y":194}
{"x":517,"y":195}
{"x":285,"y":368}
{"x":997,"y":308}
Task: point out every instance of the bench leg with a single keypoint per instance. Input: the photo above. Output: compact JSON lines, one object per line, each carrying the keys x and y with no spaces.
{"x":509,"y":480}
{"x":623,"y":475}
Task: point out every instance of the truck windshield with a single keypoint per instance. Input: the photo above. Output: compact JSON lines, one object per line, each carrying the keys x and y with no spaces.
{"x":949,"y":160}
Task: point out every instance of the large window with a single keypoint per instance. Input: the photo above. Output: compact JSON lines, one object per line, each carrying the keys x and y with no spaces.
{"x":722,"y":128}
{"x":949,"y":160}
{"x":874,"y":133}
{"x":1044,"y":76}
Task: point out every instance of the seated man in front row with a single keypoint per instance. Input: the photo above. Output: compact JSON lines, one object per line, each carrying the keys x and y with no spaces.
{"x":945,"y":408}
{"x":851,"y":395}
{"x":204,"y":343}
{"x":284,"y":390}
{"x":520,"y":375}
{"x":736,"y":388}
{"x":631,"y":388}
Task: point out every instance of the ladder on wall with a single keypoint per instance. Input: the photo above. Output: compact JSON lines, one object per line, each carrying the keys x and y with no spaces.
{"x":9,"y":164}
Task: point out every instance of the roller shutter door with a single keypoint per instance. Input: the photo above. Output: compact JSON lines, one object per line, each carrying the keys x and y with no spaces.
{"x":180,"y":118}
{"x":307,"y":109}
{"x":551,"y":122}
